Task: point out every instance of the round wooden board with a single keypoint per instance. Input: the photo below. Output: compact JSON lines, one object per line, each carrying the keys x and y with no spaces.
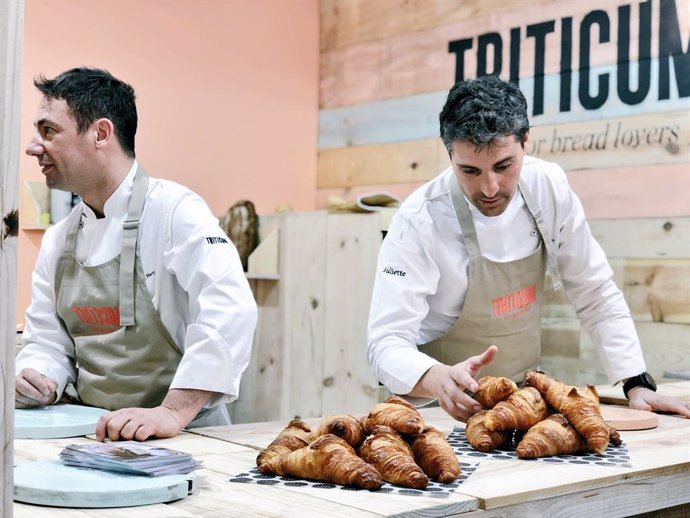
{"x":622,"y":418}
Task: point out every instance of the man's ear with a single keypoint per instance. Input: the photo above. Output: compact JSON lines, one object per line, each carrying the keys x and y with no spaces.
{"x":104,"y":132}
{"x":525,"y":141}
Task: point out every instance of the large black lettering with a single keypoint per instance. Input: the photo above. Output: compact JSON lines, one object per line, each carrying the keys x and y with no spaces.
{"x":490,"y":39}
{"x":671,"y":46}
{"x":596,"y":101}
{"x":539,"y":31}
{"x":515,"y":55}
{"x":458,"y":47}
{"x":644,"y":64}
{"x":566,"y":63}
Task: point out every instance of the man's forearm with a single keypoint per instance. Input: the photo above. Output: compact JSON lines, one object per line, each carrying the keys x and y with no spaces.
{"x":186,"y":403}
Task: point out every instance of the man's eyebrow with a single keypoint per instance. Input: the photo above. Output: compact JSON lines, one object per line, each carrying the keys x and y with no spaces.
{"x":506,"y":159}
{"x":46,"y":122}
{"x":466,"y":166}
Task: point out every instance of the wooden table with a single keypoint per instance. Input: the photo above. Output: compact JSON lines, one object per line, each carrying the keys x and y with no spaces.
{"x":659,"y":479}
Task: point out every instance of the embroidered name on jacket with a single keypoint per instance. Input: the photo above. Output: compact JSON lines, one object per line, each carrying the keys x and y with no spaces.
{"x":98,"y":320}
{"x":516,"y":303}
{"x":392,"y":271}
{"x":216,"y":240}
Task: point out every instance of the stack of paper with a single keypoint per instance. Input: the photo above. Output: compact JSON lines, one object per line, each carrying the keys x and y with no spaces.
{"x":129,"y":457}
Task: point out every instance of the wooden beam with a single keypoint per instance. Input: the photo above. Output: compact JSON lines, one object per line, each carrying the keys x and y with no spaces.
{"x":415,"y":161}
{"x":415,"y":117}
{"x":608,"y":188}
{"x":348,"y":22}
{"x":406,"y":63}
{"x":11,"y":42}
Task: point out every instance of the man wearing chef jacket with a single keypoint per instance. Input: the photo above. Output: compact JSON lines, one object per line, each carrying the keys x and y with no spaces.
{"x":139,"y":303}
{"x":461,"y":271}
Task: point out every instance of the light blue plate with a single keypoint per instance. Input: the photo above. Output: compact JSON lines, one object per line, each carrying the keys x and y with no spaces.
{"x":56,"y":421}
{"x":55,"y":484}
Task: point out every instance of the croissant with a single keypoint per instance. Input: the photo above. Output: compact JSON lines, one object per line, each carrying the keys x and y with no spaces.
{"x":493,"y":389}
{"x":552,"y":436}
{"x":293,"y":437}
{"x":346,"y":427}
{"x":480,"y":437}
{"x":614,"y":436}
{"x":435,"y":456}
{"x":329,"y":459}
{"x":396,"y":413}
{"x":520,"y":411}
{"x":580,"y":407}
{"x":393,"y":458}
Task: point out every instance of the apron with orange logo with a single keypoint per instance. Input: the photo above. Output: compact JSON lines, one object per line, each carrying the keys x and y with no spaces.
{"x":125,"y":355}
{"x":503,"y":302}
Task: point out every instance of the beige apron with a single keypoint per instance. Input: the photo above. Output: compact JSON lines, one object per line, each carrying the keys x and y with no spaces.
{"x":125,"y":355}
{"x":503,"y":302}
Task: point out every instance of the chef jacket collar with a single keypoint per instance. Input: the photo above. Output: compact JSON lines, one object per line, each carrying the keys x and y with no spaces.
{"x":116,"y":204}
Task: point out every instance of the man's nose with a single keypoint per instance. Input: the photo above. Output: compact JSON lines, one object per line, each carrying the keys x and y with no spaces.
{"x":490,"y":184}
{"x":34,"y":147}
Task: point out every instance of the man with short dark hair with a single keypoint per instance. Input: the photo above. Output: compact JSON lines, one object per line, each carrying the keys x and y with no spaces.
{"x":474,"y":244}
{"x":139,"y":303}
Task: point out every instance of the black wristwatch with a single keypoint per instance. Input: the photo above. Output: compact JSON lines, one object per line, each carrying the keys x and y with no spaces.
{"x":641,"y":380}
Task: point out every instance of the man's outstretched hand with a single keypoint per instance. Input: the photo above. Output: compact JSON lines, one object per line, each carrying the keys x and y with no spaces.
{"x":448,"y":383}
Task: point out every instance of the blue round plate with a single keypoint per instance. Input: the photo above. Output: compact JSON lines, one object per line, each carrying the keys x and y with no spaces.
{"x":55,"y":484}
{"x":56,"y":421}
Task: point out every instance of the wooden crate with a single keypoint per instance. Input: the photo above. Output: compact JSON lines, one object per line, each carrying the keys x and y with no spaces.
{"x":312,"y":282}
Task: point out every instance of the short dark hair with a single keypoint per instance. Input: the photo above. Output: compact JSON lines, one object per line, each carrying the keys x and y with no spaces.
{"x":91,"y":94}
{"x":483,"y":109}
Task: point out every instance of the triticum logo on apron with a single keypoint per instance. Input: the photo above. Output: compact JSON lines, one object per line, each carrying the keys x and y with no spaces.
{"x":98,"y":320}
{"x":516,"y":303}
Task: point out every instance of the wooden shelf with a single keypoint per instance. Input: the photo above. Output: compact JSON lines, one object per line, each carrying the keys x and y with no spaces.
{"x":34,"y":211}
{"x":263,"y":261}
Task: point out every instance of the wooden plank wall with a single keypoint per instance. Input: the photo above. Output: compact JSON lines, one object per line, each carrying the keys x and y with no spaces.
{"x":308,"y":357}
{"x":11,"y":29}
{"x":608,"y":87}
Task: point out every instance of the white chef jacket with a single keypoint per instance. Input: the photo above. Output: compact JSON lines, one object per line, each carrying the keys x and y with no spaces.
{"x":193,"y":274}
{"x":421,"y":278}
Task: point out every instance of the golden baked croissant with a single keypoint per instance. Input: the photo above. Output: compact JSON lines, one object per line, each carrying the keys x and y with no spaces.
{"x":481,"y":438}
{"x":519,"y":411}
{"x":397,"y":413}
{"x":293,"y":437}
{"x":435,"y":456}
{"x":327,"y":459}
{"x":493,"y":389}
{"x":580,"y":407}
{"x":552,"y":436}
{"x":393,"y":458}
{"x":346,"y":427}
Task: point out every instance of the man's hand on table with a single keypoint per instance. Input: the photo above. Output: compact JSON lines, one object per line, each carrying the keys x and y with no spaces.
{"x":31,"y":388}
{"x":177,"y":410}
{"x":641,"y":398}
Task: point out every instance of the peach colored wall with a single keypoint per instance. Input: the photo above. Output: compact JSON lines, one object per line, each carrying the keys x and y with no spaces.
{"x":227,"y":93}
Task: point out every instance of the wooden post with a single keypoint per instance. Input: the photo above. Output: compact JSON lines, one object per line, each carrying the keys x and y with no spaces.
{"x":11,"y":29}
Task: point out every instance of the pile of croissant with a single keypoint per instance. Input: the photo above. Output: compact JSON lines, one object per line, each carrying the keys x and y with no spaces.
{"x":392,"y":443}
{"x":546,"y":418}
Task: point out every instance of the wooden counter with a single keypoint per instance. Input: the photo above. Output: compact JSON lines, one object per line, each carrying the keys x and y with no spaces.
{"x":659,"y":478}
